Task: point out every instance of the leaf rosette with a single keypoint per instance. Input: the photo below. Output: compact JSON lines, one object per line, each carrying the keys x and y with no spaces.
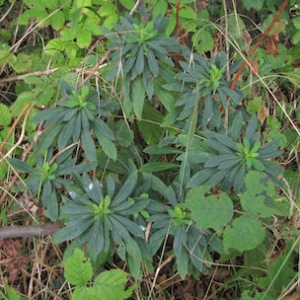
{"x":103,"y":220}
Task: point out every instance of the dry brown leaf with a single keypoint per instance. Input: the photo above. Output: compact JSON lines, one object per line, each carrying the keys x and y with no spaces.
{"x":247,"y":39}
{"x":272,"y":45}
{"x":254,"y":69}
{"x":262,"y":113}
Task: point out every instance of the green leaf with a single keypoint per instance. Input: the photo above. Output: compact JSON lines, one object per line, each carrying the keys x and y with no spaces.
{"x":150,"y":125}
{"x":80,"y":168}
{"x":259,"y":198}
{"x":236,"y":127}
{"x":54,"y":46}
{"x":161,"y":150}
{"x":23,"y":99}
{"x":107,"y":9}
{"x":256,"y":4}
{"x":245,"y":233}
{"x":216,"y":178}
{"x":223,"y":139}
{"x":179,"y":247}
{"x":78,"y":268}
{"x":124,"y":134}
{"x":134,"y":257}
{"x":111,"y":285}
{"x":107,"y":144}
{"x":209,"y":211}
{"x":202,"y":41}
{"x":20,"y":165}
{"x":165,"y":97}
{"x":11,"y":293}
{"x":126,"y":189}
{"x":5,"y":115}
{"x":88,"y":144}
{"x":50,"y":4}
{"x":239,"y":178}
{"x":57,"y":20}
{"x":49,"y":135}
{"x":50,"y":201}
{"x":72,"y":230}
{"x":140,"y":62}
{"x":215,"y":161}
{"x":128,"y":4}
{"x":65,"y":135}
{"x":293,"y":177}
{"x":220,"y":147}
{"x":160,"y":8}
{"x":138,"y":97}
{"x":50,"y":115}
{"x":153,"y":167}
{"x":251,"y":129}
{"x":152,"y":63}
{"x":84,"y":38}
{"x":201,"y":177}
{"x":84,"y":293}
{"x":23,"y":63}
{"x":254,"y":105}
{"x":7,"y":57}
{"x":270,"y":150}
{"x":279,"y":275}
{"x":103,"y":128}
{"x":247,"y":295}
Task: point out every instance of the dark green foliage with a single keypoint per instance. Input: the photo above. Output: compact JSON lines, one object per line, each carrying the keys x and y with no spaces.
{"x":104,"y":216}
{"x":190,"y":243}
{"x":74,"y":118}
{"x":205,"y":82}
{"x":46,"y":179}
{"x":157,"y":157}
{"x":228,"y":161}
{"x":139,"y":51}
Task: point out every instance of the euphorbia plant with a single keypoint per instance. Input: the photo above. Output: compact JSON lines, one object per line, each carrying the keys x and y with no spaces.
{"x":228,"y":161}
{"x":104,"y":215}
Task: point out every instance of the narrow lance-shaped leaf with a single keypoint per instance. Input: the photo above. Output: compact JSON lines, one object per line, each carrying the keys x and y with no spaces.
{"x":108,"y":145}
{"x":152,"y":167}
{"x":270,"y":150}
{"x":217,"y":160}
{"x":251,"y":128}
{"x":217,"y":178}
{"x":49,"y":135}
{"x":67,"y":170}
{"x":153,"y":65}
{"x":126,"y":189}
{"x":134,"y":257}
{"x":65,"y":134}
{"x":88,"y":144}
{"x":139,"y":64}
{"x":138,"y":97}
{"x":71,"y":231}
{"x":20,"y":165}
{"x":103,"y":128}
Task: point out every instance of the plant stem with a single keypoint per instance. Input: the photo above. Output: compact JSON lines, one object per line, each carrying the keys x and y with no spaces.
{"x":29,"y":231}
